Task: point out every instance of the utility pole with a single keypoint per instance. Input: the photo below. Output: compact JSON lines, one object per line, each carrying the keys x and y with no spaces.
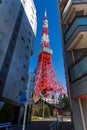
{"x":26,"y":105}
{"x":43,"y":108}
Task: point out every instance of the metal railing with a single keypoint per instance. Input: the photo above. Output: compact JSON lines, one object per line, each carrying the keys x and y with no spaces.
{"x":5,"y":125}
{"x":79,"y":69}
{"x":54,"y":125}
{"x":78,"y":21}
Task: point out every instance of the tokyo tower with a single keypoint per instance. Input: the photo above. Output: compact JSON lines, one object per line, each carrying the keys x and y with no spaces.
{"x":46,"y":82}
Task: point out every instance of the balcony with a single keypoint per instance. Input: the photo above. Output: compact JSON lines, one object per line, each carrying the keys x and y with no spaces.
{"x":72,"y":7}
{"x":76,"y":35}
{"x":79,"y":69}
{"x":62,"y":4}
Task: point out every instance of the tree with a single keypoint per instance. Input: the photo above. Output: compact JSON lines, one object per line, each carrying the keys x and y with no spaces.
{"x":65,"y":103}
{"x":37,"y":110}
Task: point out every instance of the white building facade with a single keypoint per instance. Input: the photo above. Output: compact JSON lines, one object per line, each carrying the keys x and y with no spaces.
{"x":18,"y":24}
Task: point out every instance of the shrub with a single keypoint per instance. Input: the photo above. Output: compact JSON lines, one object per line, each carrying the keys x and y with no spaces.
{"x":34,"y":117}
{"x":37,"y":110}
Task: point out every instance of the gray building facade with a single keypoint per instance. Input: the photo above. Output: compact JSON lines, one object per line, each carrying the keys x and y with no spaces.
{"x":73,"y":21}
{"x":18,"y":23}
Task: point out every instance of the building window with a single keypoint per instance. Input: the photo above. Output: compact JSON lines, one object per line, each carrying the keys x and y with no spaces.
{"x":20,"y":92}
{"x":0,"y":33}
{"x":29,"y":40}
{"x":6,"y":65}
{"x":23,"y":79}
{"x":19,"y":19}
{"x":5,"y":20}
{"x":15,"y":84}
{"x":21,"y":13}
{"x":20,"y":57}
{"x":32,"y":9}
{"x":1,"y":82}
{"x":13,"y":38}
{"x":23,"y":39}
{"x":16,"y":28}
{"x":3,"y":75}
{"x":32,"y":17}
{"x":31,"y":21}
{"x":30,"y":33}
{"x":24,"y":66}
{"x":24,"y":1}
{"x":0,"y":1}
{"x":80,"y":13}
{"x":27,"y":47}
{"x":26,"y":57}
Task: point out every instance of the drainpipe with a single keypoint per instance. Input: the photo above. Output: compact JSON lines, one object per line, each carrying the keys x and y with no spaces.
{"x":82,"y":114}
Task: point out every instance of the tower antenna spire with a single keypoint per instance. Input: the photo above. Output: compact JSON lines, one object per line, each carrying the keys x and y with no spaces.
{"x":45,"y":13}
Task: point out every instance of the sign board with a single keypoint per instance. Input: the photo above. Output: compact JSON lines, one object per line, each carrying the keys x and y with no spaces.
{"x":30,"y":101}
{"x":23,"y":97}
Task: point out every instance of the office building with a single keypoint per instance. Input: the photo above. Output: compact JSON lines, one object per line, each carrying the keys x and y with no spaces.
{"x":18,"y":24}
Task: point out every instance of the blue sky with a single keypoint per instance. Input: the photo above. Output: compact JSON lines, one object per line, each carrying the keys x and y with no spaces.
{"x":54,"y":36}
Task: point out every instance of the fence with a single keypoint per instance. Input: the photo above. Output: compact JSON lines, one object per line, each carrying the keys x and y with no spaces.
{"x":5,"y":125}
{"x":54,"y":125}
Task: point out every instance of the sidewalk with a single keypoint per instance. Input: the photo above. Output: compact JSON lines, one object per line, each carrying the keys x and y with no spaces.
{"x":64,"y":118}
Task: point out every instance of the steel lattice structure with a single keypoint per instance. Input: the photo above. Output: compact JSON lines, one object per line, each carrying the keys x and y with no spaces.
{"x":46,"y":82}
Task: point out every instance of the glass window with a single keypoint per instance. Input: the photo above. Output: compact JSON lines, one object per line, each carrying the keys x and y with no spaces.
{"x":79,"y":13}
{"x":23,"y":39}
{"x":23,"y":79}
{"x":29,"y":40}
{"x":0,"y":1}
{"x":26,"y":57}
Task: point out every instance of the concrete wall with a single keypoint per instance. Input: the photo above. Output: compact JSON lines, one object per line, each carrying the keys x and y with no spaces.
{"x":76,"y":115}
{"x":84,"y":105}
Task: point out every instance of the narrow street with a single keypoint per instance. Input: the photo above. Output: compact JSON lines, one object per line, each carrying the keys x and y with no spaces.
{"x":65,"y":126}
{"x":44,"y":125}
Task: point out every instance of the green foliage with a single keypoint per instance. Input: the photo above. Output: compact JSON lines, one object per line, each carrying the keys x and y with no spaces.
{"x":65,"y":103}
{"x":5,"y":113}
{"x":35,"y":118}
{"x":37,"y":110}
{"x":47,"y":111}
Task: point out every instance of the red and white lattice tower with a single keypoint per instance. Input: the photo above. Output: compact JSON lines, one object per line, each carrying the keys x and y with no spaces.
{"x":46,"y":82}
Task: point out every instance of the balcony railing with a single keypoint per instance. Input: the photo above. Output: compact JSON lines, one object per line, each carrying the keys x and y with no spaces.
{"x":80,"y":21}
{"x":79,"y":69}
{"x":69,"y":4}
{"x":63,"y":4}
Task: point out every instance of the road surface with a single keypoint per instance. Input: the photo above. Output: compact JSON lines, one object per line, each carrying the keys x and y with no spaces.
{"x":44,"y":124}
